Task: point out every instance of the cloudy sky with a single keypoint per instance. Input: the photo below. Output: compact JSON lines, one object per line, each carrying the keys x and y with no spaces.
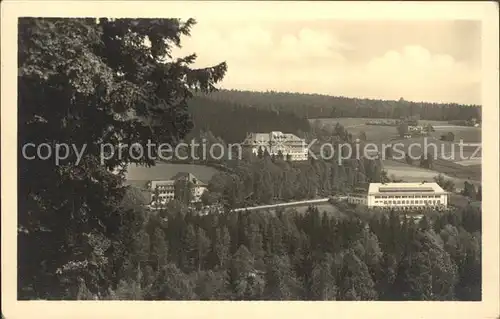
{"x":438,"y":61}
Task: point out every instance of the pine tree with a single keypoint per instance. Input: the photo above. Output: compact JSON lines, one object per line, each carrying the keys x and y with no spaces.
{"x":212,"y":285}
{"x":280,"y":155}
{"x":323,"y":282}
{"x":203,"y":246}
{"x":222,"y":245}
{"x":159,"y":248}
{"x":100,"y":67}
{"x":172,"y":284}
{"x":188,"y":255}
{"x":255,"y":241}
{"x":281,"y":283}
{"x":260,"y":152}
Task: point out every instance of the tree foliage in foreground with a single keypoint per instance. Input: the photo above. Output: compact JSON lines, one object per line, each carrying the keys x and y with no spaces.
{"x":87,"y":82}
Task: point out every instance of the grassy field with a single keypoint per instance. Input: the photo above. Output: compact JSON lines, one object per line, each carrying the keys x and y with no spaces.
{"x":349,"y":121}
{"x":137,"y":175}
{"x":357,"y":125}
{"x":466,"y":133}
{"x":409,"y":173}
{"x":457,"y":164}
{"x":377,"y":133}
{"x":446,"y":150}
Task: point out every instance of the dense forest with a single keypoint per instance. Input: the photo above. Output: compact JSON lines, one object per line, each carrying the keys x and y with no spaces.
{"x":360,"y":255}
{"x":264,"y":181}
{"x":82,"y":234}
{"x":88,"y":82}
{"x":324,"y":106}
{"x":231,"y":115}
{"x":232,"y":121}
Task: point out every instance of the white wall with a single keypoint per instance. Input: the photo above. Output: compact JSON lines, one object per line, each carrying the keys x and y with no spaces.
{"x":442,"y":200}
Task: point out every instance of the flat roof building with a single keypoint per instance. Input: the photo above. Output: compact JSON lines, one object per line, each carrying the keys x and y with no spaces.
{"x":403,"y":196}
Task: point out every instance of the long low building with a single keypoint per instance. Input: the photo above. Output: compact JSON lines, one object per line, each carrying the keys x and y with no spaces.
{"x":402,"y":196}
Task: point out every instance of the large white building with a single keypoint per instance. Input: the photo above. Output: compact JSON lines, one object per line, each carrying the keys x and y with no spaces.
{"x":163,"y":191}
{"x":276,"y":142}
{"x":402,"y":196}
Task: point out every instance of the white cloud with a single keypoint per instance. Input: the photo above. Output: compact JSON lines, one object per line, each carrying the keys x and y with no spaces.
{"x":256,"y":45}
{"x":314,"y":61}
{"x":416,"y":74}
{"x":309,"y":44}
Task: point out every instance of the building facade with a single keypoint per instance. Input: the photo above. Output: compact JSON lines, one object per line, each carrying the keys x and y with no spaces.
{"x":402,"y":196}
{"x":357,"y":199}
{"x":276,"y":143}
{"x":163,"y":191}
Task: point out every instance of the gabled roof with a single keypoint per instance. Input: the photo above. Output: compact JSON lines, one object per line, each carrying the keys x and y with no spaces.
{"x":261,"y":138}
{"x":179,"y":176}
{"x":155,"y":184}
{"x":187,"y":176}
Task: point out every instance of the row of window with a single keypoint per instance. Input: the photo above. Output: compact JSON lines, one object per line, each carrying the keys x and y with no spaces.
{"x":408,"y":202}
{"x":167,"y":192}
{"x":164,"y":187}
{"x":356,"y":200}
{"x":409,"y":196}
{"x":402,"y":207}
{"x":161,"y":196}
{"x":298,"y":153}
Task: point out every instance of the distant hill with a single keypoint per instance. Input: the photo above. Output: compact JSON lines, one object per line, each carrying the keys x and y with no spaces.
{"x":324,"y":106}
{"x":138,"y":175}
{"x":232,"y":120}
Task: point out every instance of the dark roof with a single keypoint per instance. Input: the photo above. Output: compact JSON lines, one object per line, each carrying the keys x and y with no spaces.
{"x":405,"y":189}
{"x":187,"y":176}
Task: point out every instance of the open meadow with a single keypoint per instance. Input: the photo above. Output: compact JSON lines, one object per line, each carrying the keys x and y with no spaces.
{"x":379,"y":133}
{"x":456,"y":163}
{"x":411,"y":173}
{"x":138,"y":175}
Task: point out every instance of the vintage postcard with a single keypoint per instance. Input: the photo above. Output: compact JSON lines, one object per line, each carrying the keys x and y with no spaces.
{"x":260,"y":159}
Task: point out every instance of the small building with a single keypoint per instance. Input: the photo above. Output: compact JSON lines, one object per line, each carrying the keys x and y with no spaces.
{"x":357,"y":199}
{"x":358,"y":196}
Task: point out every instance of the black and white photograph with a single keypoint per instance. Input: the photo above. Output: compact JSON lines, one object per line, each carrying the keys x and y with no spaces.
{"x":251,"y":156}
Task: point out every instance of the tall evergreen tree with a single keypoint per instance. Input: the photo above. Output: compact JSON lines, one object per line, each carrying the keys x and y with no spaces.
{"x":94,"y":71}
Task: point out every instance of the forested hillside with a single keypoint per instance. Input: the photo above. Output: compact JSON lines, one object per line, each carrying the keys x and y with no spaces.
{"x":288,"y":256}
{"x":322,"y":106}
{"x":231,"y":120}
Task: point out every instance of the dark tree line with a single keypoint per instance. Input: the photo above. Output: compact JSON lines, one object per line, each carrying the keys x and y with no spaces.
{"x":266,"y":180}
{"x":324,"y":106}
{"x":232,"y":121}
{"x":85,"y":82}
